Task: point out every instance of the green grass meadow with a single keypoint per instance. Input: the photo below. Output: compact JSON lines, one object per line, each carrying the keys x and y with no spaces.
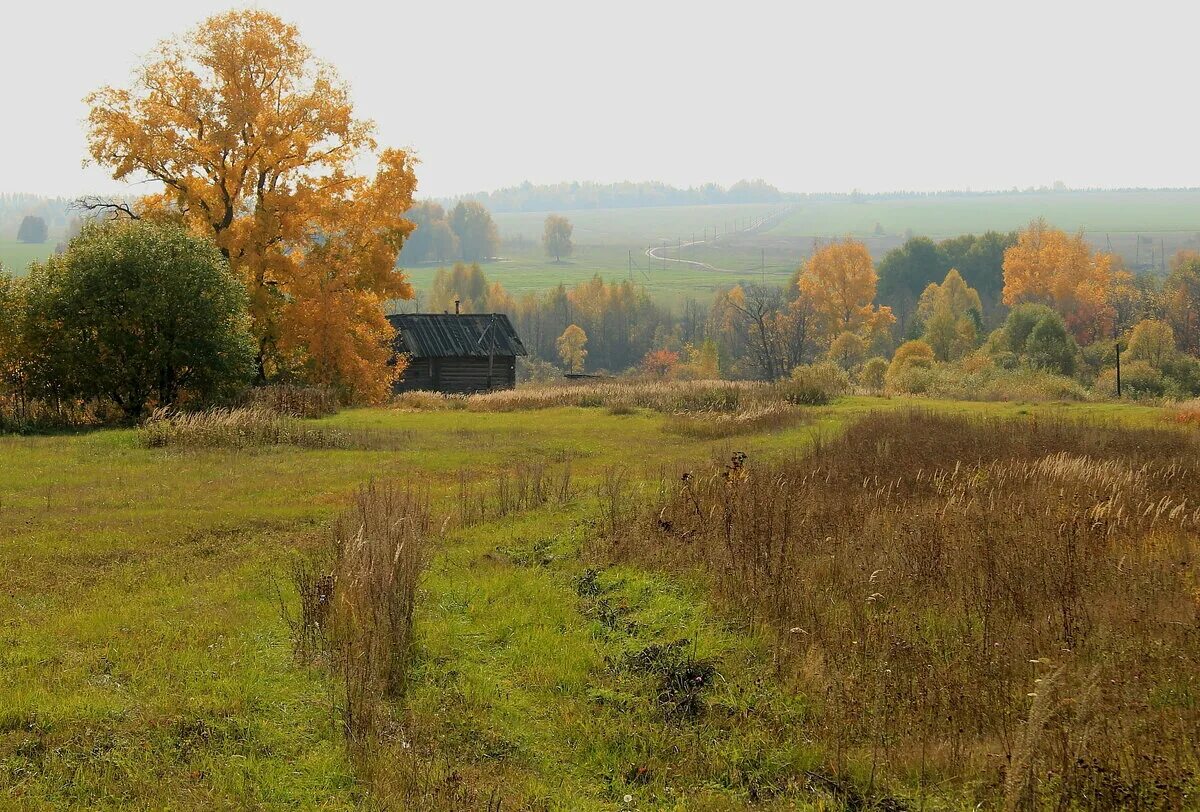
{"x":145,"y":662}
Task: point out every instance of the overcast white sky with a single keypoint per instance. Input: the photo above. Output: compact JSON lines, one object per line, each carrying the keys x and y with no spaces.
{"x":812,"y":96}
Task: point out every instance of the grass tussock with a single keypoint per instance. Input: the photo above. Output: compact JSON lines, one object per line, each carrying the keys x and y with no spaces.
{"x":1009,"y":609}
{"x":526,"y":486}
{"x":990,"y":383}
{"x":234,"y":428}
{"x":256,"y":428}
{"x":22,"y":416}
{"x":356,"y":605}
{"x":422,"y":401}
{"x":754,"y":420}
{"x":293,"y":401}
{"x":623,"y":397}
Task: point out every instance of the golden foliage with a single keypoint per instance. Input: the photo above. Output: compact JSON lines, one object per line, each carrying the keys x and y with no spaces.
{"x":1152,"y":341}
{"x":840,"y":280}
{"x":254,"y":143}
{"x":1050,"y":267}
{"x":571,"y":347}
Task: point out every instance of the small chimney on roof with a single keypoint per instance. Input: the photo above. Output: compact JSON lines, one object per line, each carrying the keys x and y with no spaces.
{"x":457,"y":307}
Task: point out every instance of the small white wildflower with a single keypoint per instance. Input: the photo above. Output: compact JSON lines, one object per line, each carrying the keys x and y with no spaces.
{"x":628,"y":799}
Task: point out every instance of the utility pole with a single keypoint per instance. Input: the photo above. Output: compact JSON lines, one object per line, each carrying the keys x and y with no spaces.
{"x":630,"y":264}
{"x":1118,"y":337}
{"x":764,"y":266}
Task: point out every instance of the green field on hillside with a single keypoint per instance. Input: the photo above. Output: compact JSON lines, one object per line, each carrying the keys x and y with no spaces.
{"x":145,"y":661}
{"x":948,"y":216}
{"x":15,"y":257}
{"x":640,"y":227}
{"x":530,"y":271}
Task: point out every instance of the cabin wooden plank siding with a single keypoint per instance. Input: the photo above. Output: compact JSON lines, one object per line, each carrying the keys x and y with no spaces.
{"x":456,"y":354}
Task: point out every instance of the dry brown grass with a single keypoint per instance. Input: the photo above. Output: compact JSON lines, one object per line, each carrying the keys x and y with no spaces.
{"x":1010,"y":609}
{"x":1188,"y":412}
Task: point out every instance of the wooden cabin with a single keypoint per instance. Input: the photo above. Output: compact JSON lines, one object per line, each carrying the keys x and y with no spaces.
{"x":458,"y":354}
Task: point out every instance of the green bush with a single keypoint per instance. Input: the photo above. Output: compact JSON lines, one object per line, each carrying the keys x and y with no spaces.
{"x":1139,"y":381}
{"x":1183,"y":376}
{"x":872,"y":374}
{"x":1020,"y":323}
{"x":138,"y":314}
{"x":814,"y":385}
{"x":1050,"y":347}
{"x":989,"y":383}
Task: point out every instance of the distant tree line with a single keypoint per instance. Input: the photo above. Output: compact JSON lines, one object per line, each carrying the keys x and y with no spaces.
{"x":587,"y":195}
{"x":574,"y":195}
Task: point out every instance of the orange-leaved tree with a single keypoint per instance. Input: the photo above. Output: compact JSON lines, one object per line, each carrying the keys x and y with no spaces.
{"x":839,"y":281}
{"x":1050,"y":267}
{"x":254,"y":142}
{"x":660,"y":365}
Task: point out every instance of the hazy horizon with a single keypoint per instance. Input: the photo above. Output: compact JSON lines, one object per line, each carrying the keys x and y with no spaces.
{"x":870,"y":97}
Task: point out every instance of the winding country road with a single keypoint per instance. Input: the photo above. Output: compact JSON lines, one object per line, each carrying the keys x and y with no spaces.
{"x":756,"y":226}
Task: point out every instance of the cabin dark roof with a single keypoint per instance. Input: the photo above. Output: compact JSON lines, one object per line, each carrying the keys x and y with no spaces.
{"x":445,"y":335}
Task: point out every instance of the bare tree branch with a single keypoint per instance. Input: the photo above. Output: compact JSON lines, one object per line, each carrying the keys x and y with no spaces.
{"x":113,"y":209}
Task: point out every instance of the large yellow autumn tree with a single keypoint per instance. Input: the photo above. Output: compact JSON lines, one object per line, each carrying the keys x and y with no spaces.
{"x":839,"y":281}
{"x":1050,"y":267}
{"x":254,"y":143}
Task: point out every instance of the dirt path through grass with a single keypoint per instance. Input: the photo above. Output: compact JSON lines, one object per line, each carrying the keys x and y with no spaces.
{"x":543,"y":681}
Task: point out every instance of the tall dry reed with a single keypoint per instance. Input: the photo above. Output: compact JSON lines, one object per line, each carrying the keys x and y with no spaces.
{"x":356,"y":601}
